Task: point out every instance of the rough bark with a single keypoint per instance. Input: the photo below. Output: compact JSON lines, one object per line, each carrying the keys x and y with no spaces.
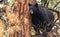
{"x":23,"y":12}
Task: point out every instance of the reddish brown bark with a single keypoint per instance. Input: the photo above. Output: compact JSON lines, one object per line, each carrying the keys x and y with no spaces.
{"x":23,"y":15}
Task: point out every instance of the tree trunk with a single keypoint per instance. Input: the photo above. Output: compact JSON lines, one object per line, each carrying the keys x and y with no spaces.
{"x":22,"y":9}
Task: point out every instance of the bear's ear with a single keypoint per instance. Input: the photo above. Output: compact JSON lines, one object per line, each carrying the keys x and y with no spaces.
{"x":36,"y":5}
{"x":29,"y":4}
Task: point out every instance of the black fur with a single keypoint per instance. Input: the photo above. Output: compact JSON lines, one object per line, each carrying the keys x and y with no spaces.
{"x":41,"y":17}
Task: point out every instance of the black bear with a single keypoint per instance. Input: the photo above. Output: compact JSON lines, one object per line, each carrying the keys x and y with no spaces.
{"x":41,"y":17}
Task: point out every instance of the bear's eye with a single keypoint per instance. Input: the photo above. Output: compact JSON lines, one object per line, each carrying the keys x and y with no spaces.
{"x":36,"y":5}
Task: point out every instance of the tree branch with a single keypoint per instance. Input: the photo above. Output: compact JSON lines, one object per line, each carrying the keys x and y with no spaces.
{"x":58,"y":13}
{"x":56,"y":4}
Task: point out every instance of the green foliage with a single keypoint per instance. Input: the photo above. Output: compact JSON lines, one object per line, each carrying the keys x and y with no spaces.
{"x":33,"y":31}
{"x":11,"y":2}
{"x":51,"y":3}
